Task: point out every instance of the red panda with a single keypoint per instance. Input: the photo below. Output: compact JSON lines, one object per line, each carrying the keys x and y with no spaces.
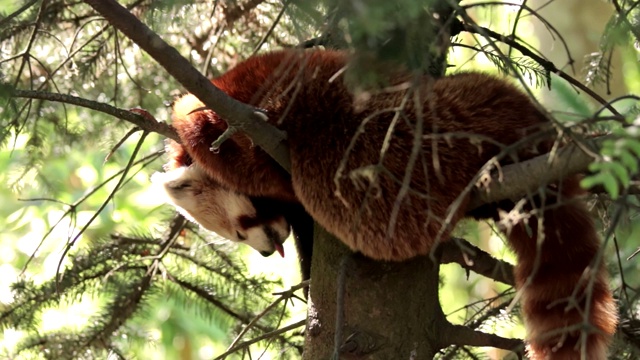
{"x":264,"y":224}
{"x":389,"y":175}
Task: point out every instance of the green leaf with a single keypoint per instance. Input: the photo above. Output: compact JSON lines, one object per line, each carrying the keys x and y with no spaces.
{"x":596,"y":167}
{"x":630,"y":161}
{"x":620,"y":172}
{"x":593,"y":180}
{"x":610,"y":184}
{"x":633,"y":145}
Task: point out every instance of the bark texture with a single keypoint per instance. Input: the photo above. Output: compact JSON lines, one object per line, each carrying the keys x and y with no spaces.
{"x":384,"y":310}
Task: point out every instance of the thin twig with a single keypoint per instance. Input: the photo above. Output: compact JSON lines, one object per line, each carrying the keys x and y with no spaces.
{"x":284,"y":296}
{"x":104,"y":204}
{"x":546,"y":64}
{"x":268,"y":335}
{"x":134,"y":116}
{"x":16,"y":13}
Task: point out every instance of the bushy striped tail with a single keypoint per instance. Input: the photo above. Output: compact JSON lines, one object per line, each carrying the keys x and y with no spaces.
{"x":567,"y":305}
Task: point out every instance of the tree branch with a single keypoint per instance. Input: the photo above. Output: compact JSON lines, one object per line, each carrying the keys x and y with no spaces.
{"x":516,"y":180}
{"x":546,"y":64}
{"x":143,"y":122}
{"x":464,"y":336}
{"x":470,"y":257}
{"x":237,"y":114}
{"x":268,"y":335}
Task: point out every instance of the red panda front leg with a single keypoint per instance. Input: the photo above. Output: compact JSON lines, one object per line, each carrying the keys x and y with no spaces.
{"x":236,"y":157}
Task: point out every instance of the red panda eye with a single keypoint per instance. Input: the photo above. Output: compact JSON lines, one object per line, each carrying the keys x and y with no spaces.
{"x":183,"y":185}
{"x":240,"y":236}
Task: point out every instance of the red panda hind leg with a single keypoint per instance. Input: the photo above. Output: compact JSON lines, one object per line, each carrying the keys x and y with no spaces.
{"x":568,"y":309}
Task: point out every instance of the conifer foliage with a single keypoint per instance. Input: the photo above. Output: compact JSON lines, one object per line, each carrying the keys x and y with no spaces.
{"x":79,"y":225}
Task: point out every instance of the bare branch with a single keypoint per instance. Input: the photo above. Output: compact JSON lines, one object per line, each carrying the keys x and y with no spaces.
{"x":274,"y":333}
{"x":113,"y":192}
{"x":135,"y":117}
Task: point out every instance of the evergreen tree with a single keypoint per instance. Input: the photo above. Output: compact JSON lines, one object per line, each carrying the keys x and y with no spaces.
{"x":82,"y":234}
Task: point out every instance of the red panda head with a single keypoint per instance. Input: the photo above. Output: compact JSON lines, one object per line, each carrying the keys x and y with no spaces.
{"x":227,"y":213}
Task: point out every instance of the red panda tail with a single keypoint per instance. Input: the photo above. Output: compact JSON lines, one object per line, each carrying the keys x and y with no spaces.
{"x":567,"y":305}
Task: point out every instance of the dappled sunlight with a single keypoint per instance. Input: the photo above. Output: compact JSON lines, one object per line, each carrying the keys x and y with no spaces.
{"x":94,"y":264}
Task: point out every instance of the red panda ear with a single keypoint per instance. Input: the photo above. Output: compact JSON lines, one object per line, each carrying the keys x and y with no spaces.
{"x":178,"y":156}
{"x":179,"y":184}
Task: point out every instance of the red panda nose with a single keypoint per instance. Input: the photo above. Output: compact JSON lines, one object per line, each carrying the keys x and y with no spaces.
{"x":279,"y":249}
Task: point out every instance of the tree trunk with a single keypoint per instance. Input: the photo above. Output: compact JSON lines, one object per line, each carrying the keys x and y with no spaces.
{"x":384,"y":310}
{"x":364,"y":309}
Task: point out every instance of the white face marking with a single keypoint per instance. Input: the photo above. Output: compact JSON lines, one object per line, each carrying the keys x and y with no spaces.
{"x":217,"y":209}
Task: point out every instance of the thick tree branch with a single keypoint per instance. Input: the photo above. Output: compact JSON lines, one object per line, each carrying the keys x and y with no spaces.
{"x":237,"y":114}
{"x":470,"y":257}
{"x":514,"y":181}
{"x":464,"y":336}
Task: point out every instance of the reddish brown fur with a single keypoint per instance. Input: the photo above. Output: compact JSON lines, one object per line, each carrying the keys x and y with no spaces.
{"x":304,"y":95}
{"x":178,"y":156}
